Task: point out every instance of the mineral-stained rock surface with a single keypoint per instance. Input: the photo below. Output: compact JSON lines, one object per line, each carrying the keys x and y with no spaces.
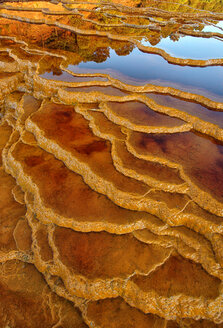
{"x":111,"y":164}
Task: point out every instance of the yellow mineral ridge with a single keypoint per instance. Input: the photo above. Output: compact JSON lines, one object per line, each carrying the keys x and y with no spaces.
{"x":111,"y":164}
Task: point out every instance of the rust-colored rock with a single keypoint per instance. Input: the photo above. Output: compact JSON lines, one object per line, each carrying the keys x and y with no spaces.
{"x":26,"y":300}
{"x":111,"y":164}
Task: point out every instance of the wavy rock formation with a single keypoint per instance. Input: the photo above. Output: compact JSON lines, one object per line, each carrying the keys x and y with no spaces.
{"x":111,"y":164}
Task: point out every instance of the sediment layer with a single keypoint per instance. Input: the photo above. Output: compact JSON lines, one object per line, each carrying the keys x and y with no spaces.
{"x":111,"y":186}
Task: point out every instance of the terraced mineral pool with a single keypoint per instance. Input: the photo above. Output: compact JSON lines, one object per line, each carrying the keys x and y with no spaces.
{"x":190,"y":47}
{"x":140,"y":68}
{"x":111,"y":164}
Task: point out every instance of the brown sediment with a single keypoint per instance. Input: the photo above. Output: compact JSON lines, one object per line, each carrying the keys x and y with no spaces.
{"x":74,"y":215}
{"x":66,"y":151}
{"x":202,"y":170}
{"x":140,"y":114}
{"x":7,"y":63}
{"x":151,"y":173}
{"x":190,"y":121}
{"x":18,"y":194}
{"x":117,"y":313}
{"x":136,"y":196}
{"x":22,"y":235}
{"x":9,"y":83}
{"x":11,"y":212}
{"x":179,"y":270}
{"x":26,"y":300}
{"x":101,"y":249}
{"x":139,"y":117}
{"x":5,"y":131}
{"x":192,"y":108}
{"x":150,"y":287}
{"x":67,"y":262}
{"x":110,"y":187}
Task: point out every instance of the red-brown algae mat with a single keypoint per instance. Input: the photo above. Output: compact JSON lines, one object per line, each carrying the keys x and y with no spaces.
{"x":111,"y":164}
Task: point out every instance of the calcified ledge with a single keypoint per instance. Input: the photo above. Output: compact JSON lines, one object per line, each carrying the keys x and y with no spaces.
{"x":111,"y":204}
{"x":161,"y":52}
{"x":164,"y":54}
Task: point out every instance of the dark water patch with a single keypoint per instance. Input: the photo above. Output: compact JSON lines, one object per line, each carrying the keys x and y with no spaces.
{"x":200,"y":156}
{"x":66,"y":77}
{"x":140,"y":114}
{"x":190,"y":107}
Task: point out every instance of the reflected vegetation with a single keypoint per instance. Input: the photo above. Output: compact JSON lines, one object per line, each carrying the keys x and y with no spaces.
{"x":139,"y":69}
{"x":111,"y":167}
